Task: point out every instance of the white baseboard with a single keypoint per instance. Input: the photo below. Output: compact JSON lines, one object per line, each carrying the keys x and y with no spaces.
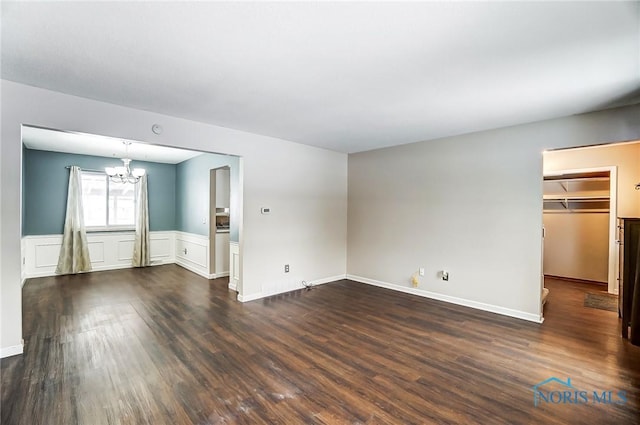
{"x":198,"y":270}
{"x":93,"y":269}
{"x":13,"y":350}
{"x":449,"y":299}
{"x":327,"y":280}
{"x":233,"y":286}
{"x":193,"y":268}
{"x":250,"y":297}
{"x":316,"y":282}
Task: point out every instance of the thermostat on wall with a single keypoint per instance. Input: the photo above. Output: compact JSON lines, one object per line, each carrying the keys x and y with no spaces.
{"x":265,"y":210}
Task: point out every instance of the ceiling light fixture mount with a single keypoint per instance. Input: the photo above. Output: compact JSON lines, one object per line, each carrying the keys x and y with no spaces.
{"x":124,"y":174}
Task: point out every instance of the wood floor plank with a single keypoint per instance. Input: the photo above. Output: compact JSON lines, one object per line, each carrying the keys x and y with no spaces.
{"x":164,"y":346}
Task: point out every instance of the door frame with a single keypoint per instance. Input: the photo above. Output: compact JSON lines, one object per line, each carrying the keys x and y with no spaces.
{"x":212,"y":219}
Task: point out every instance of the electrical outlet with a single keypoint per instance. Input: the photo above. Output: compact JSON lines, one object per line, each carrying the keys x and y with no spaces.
{"x":421,"y":271}
{"x":445,"y":275}
{"x":286,"y":268}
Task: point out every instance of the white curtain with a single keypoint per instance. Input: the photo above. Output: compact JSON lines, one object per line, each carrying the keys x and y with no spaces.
{"x":141,"y":256}
{"x":74,"y":253}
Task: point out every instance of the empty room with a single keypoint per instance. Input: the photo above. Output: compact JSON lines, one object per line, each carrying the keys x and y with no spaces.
{"x":320,"y":213}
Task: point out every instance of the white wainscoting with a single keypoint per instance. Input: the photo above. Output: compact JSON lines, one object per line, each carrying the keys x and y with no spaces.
{"x":234,"y":266}
{"x":108,"y":251}
{"x":113,"y":250}
{"x":23,"y":250}
{"x":192,"y":253}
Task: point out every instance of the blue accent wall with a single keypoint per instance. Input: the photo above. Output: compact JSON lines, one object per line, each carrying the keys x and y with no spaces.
{"x":45,"y":183}
{"x":192,"y":193}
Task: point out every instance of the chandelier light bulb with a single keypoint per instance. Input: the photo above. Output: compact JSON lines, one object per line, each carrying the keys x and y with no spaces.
{"x":123,"y":173}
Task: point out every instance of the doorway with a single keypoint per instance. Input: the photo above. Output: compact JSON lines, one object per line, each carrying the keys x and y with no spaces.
{"x":579,"y":215}
{"x":220,"y":222}
{"x":179,"y":185}
{"x":585,"y":190}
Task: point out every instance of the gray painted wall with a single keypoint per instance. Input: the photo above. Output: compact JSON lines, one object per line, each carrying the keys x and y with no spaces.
{"x":306,"y":188}
{"x":469,"y":204}
{"x":192,"y":185}
{"x":46,"y":181}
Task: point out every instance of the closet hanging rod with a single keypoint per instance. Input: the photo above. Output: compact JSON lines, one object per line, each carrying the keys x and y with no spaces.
{"x":86,"y":169}
{"x":576,"y":211}
{"x":548,"y":179}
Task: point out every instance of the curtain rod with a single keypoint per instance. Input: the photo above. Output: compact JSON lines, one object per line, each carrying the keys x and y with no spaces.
{"x":87,"y":169}
{"x":103,"y":171}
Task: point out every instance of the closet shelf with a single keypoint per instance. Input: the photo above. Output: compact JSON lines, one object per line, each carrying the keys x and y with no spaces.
{"x":577,"y":193}
{"x":576,"y":198}
{"x":576,"y":204}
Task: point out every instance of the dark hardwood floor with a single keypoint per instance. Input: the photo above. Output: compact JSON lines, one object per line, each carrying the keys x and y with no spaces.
{"x":164,"y":346}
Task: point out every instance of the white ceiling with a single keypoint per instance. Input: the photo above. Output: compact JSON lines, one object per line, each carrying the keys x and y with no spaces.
{"x":344,"y":76}
{"x":87,"y":144}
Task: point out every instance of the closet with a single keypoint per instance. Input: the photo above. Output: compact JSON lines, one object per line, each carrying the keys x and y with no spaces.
{"x":577,"y":225}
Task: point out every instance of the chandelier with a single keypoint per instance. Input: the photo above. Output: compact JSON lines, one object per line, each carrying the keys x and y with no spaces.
{"x":125,"y":174}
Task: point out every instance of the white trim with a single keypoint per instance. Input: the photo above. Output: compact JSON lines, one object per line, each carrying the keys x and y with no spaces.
{"x":328,"y":280}
{"x":301,"y":286}
{"x":93,"y":269}
{"x":315,"y":282}
{"x":12,"y":350}
{"x":234,"y":265}
{"x":23,"y":274}
{"x":612,"y":285}
{"x":252,"y":297}
{"x":194,"y":269}
{"x":453,"y":300}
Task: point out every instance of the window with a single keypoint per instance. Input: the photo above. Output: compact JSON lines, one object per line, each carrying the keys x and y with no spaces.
{"x":107,"y":205}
